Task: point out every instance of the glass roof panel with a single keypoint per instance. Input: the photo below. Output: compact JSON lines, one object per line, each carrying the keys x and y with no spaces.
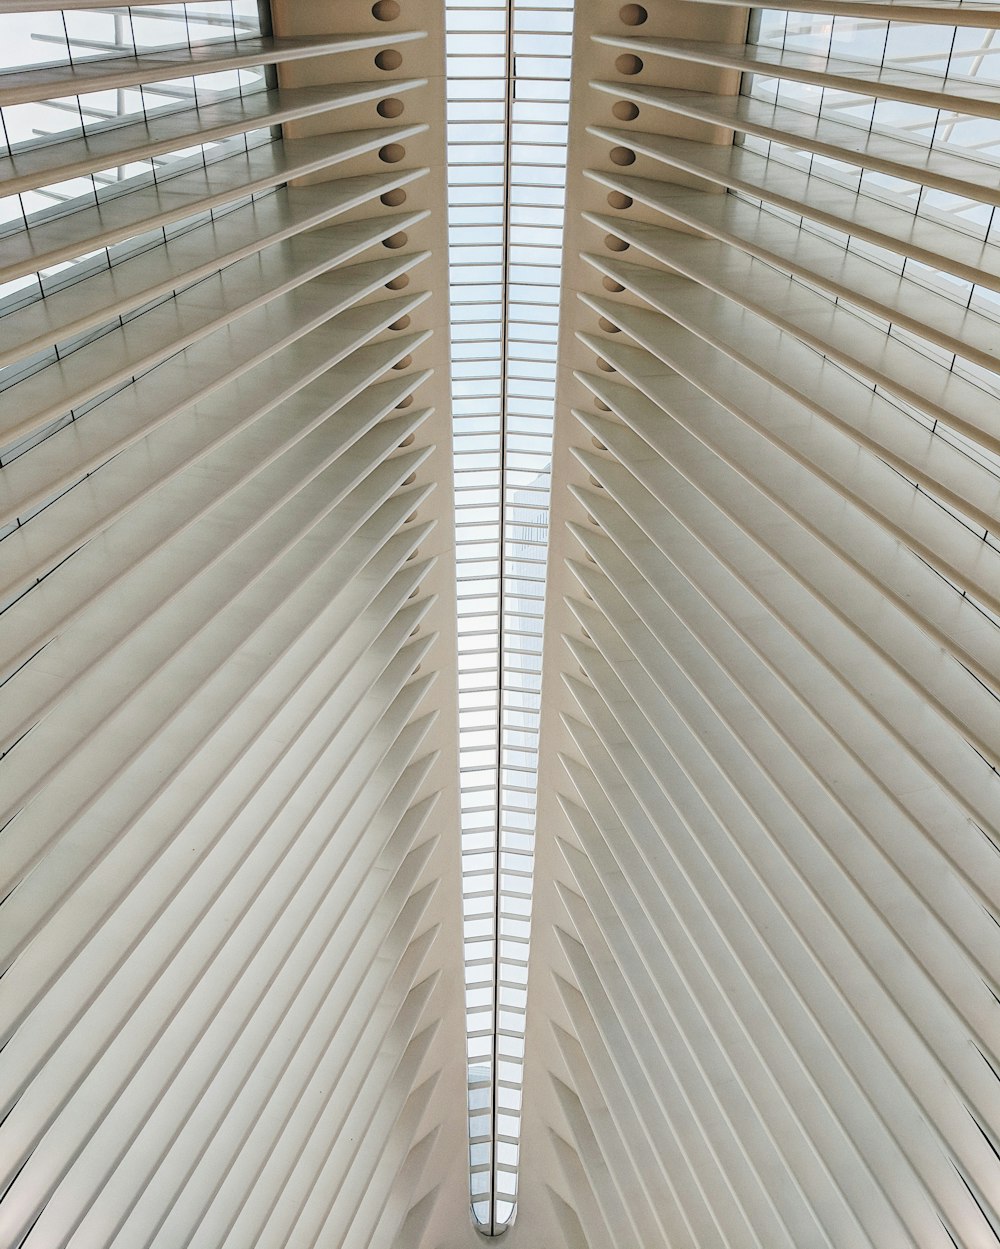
{"x":508,"y":70}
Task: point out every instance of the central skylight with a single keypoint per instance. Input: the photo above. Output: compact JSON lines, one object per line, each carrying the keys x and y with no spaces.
{"x":508,"y":68}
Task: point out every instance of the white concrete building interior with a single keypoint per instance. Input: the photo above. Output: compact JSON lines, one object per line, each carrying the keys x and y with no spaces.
{"x":499,"y":616}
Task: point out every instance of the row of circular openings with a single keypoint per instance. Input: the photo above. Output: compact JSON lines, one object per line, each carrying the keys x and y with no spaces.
{"x":609,"y":327}
{"x":408,"y":441}
{"x":399,"y":283}
{"x":391,"y":108}
{"x":391,"y":154}
{"x":623,"y":110}
{"x":604,"y":323}
{"x":629,"y":64}
{"x":613,"y":243}
{"x":387,"y":10}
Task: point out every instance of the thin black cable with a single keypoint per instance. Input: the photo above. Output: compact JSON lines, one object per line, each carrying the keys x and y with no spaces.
{"x":504,"y":317}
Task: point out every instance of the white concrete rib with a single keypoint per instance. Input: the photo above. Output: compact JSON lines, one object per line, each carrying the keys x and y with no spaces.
{"x":155,"y":135}
{"x":47,"y":82}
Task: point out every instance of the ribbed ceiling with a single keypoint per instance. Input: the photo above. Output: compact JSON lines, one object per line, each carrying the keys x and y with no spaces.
{"x":763,"y":993}
{"x":771,"y":873}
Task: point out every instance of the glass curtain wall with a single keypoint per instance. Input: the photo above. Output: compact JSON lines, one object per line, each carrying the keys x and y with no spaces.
{"x":67,"y":38}
{"x":904,"y":133}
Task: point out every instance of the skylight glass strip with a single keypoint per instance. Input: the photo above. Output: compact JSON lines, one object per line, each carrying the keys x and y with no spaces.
{"x":57,"y":38}
{"x":508,"y":68}
{"x":942,"y":50}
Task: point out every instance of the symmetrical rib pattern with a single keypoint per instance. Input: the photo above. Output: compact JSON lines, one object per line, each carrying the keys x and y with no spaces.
{"x":768,"y":994}
{"x":228,"y":695}
{"x":764,"y":986}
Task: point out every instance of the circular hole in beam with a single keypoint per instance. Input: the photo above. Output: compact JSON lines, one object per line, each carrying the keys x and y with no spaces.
{"x":389,"y":58}
{"x":633,"y":14}
{"x":617,"y":200}
{"x":629,"y":63}
{"x":394,"y":241}
{"x":393,"y":198}
{"x":622,"y":156}
{"x":389,"y":10}
{"x":391,"y":107}
{"x":392,"y":153}
{"x":624,"y":110}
